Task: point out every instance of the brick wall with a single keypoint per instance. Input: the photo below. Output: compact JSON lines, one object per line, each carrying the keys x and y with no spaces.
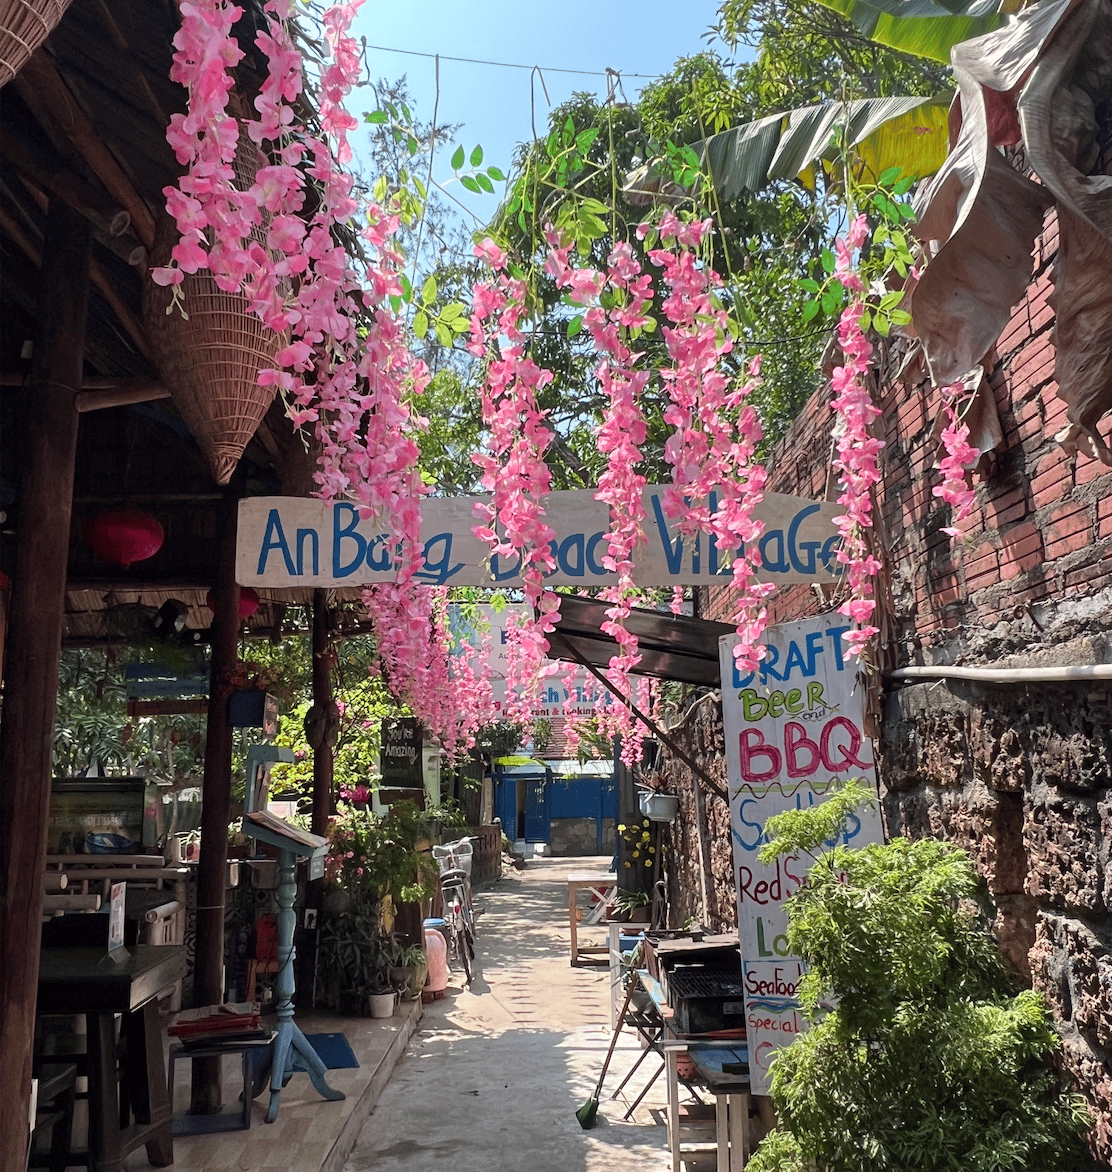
{"x":1019,"y":775}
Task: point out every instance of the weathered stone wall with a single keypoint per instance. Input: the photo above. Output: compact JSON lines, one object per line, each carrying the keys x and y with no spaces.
{"x":700,"y":736}
{"x":1022,"y":778}
{"x":1020,"y":775}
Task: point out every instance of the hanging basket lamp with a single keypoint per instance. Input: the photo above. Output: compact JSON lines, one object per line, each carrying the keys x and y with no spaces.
{"x":24,"y":25}
{"x":124,"y":536}
{"x":248,"y":602}
{"x":210,"y":356}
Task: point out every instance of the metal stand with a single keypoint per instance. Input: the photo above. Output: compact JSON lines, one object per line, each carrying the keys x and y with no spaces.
{"x":289,"y":1041}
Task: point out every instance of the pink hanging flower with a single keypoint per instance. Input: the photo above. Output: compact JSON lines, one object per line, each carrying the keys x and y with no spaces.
{"x":960,"y":456}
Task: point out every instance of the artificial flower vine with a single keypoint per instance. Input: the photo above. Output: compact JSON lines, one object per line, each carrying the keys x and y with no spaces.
{"x":347,"y":372}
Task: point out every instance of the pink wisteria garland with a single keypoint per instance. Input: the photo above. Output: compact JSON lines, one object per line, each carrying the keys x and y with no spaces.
{"x":960,"y":456}
{"x":857,"y":451}
{"x":300,"y":280}
{"x":514,"y":472}
{"x":620,"y":436}
{"x":716,"y":481}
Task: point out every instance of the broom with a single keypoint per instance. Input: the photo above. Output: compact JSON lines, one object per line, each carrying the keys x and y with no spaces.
{"x":588,"y":1113}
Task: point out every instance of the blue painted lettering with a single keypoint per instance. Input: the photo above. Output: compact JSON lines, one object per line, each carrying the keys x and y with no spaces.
{"x":572,"y":548}
{"x":313,"y":538}
{"x":342,"y":511}
{"x":274,"y":538}
{"x":438,"y":566}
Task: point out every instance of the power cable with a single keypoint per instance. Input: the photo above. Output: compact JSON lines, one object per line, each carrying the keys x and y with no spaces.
{"x":507,"y":64}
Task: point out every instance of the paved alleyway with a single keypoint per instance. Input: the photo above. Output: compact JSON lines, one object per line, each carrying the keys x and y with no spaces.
{"x":492,"y":1079}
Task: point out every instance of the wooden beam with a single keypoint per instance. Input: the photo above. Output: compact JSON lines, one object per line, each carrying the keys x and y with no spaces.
{"x":106,"y":216}
{"x":216,"y":808}
{"x":41,"y":87}
{"x":31,"y":669}
{"x":135,"y":391}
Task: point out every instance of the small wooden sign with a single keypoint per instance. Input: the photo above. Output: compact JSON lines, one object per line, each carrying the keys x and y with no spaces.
{"x":116,"y":919}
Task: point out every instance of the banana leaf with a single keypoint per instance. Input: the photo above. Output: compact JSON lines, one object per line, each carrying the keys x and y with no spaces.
{"x":923,"y":28}
{"x":900,"y":131}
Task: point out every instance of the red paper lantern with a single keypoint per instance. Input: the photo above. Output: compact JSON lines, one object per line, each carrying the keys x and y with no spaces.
{"x":248,"y":602}
{"x":124,"y":536}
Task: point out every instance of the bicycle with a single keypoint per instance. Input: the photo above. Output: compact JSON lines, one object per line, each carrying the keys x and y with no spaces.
{"x":454,"y":860}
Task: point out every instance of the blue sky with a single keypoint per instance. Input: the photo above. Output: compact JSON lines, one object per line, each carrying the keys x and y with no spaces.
{"x":631,"y":36}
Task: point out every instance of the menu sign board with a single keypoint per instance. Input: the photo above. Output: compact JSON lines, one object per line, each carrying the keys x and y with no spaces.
{"x":794,"y":732}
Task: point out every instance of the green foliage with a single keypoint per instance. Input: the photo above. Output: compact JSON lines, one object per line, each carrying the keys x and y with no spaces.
{"x":923,"y":1051}
{"x":370,"y":857}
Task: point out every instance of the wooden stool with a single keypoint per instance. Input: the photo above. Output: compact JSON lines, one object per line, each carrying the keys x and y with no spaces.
{"x":221,"y":1121}
{"x":57,"y":1089}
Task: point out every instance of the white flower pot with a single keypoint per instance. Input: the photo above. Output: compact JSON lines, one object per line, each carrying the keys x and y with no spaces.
{"x":382,"y":1004}
{"x":659,"y":807}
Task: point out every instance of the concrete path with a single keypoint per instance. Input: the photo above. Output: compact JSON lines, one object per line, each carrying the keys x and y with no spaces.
{"x":492,"y":1079}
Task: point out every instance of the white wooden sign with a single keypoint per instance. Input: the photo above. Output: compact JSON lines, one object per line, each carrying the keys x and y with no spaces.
{"x":300,"y":541}
{"x":794,"y":731}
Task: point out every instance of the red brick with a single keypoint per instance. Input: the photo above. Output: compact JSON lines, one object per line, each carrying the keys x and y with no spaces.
{"x":1069,"y":529}
{"x":1051,"y":480}
{"x":1033,"y":366}
{"x":1006,"y":507}
{"x":1021,"y":550}
{"x":1086,"y":469}
{"x":1104,"y":518}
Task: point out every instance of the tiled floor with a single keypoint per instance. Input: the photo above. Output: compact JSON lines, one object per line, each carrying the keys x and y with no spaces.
{"x":309,"y":1133}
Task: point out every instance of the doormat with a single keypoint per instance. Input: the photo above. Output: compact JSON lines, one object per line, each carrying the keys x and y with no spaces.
{"x":334,"y":1051}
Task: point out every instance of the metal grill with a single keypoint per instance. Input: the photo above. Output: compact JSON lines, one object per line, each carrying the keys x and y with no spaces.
{"x":705,"y":983}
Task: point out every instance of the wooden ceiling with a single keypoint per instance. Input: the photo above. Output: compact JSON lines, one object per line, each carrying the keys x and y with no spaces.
{"x":85,"y":121}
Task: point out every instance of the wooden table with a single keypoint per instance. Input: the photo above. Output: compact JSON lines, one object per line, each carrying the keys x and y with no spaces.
{"x":88,"y":981}
{"x":604,"y":888}
{"x":730,"y":1089}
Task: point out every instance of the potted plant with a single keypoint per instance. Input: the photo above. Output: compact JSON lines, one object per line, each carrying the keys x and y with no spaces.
{"x":631,"y":906}
{"x":409,"y":969}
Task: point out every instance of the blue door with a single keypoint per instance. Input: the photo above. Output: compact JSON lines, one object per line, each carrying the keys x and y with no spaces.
{"x":536,"y":816}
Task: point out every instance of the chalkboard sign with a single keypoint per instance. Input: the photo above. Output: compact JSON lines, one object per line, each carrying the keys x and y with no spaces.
{"x":401,"y":764}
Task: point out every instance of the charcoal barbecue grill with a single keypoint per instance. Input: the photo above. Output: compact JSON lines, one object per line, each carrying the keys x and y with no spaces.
{"x":706,"y":1000}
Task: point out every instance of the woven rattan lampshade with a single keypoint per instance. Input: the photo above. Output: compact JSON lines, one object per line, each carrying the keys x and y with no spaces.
{"x":24,"y":25}
{"x":211,"y":359}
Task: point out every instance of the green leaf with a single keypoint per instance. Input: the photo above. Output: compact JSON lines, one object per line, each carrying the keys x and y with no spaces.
{"x":831,"y":298}
{"x":477,"y":157}
{"x":585,"y":138}
{"x":496,"y":175}
{"x":469,"y":182}
{"x":781,"y":146}
{"x":428,"y":291}
{"x":453,"y":310}
{"x":900,"y":317}
{"x":810,"y":310}
{"x":903,"y":186}
{"x":420,"y":324}
{"x":866,"y":318}
{"x":568,"y":135}
{"x":575,"y":325}
{"x":457,"y":158}
{"x":808,"y":285}
{"x":484,"y":182}
{"x":887,"y":178}
{"x":923,"y":28}
{"x":407,"y":288}
{"x":376,"y":116}
{"x":881,"y":325}
{"x":828,"y":260}
{"x":443,"y":334}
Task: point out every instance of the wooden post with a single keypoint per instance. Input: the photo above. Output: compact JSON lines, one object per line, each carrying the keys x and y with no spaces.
{"x":323,"y":759}
{"x":34,"y":645}
{"x":216,"y":807}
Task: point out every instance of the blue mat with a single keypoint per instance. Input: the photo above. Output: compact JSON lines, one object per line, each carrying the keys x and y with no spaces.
{"x":334,"y":1051}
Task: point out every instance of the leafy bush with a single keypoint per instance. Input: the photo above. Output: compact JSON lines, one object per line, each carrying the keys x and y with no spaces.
{"x":924,"y":1052}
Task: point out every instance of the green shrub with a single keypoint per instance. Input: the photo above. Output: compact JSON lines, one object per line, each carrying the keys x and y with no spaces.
{"x":924,"y":1052}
